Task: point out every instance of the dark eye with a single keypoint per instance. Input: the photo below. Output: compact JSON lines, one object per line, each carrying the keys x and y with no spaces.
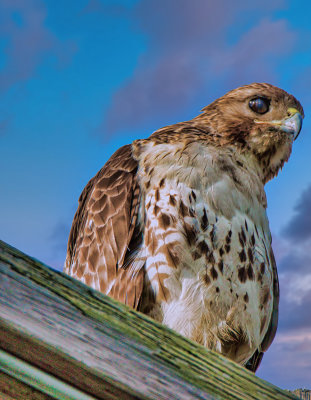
{"x":260,"y":105}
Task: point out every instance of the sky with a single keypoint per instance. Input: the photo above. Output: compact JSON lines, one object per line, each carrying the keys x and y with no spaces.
{"x":80,"y":78}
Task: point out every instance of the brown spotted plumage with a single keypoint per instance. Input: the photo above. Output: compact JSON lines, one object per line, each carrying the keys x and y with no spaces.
{"x":175,"y":225}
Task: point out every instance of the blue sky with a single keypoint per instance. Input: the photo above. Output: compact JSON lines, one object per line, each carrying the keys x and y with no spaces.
{"x":78,"y":79}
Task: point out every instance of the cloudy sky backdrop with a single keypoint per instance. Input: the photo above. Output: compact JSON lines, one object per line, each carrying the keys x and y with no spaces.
{"x":80,"y":78}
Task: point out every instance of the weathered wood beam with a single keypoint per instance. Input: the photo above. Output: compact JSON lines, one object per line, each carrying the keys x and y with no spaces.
{"x":104,"y":349}
{"x":14,"y":389}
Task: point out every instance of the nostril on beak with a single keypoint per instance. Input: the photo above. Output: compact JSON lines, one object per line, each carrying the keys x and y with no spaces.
{"x":292,"y":111}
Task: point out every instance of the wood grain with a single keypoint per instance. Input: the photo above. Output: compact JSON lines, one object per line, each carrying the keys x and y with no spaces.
{"x":104,"y":348}
{"x":12,"y":389}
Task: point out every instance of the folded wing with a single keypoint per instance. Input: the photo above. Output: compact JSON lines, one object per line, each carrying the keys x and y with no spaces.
{"x":106,"y":236}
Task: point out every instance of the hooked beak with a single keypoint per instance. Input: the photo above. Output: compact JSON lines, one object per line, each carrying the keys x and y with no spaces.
{"x":291,"y":125}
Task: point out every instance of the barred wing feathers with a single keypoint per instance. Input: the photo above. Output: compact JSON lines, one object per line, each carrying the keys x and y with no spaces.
{"x":105,"y":234}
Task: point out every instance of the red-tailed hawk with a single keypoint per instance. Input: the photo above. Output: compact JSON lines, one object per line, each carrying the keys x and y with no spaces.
{"x":176,"y":226}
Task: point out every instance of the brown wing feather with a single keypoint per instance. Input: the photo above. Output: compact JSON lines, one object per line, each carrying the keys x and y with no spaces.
{"x":254,"y":362}
{"x":105,"y":235}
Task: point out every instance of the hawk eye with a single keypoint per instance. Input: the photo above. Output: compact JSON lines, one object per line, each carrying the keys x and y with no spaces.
{"x":260,"y":105}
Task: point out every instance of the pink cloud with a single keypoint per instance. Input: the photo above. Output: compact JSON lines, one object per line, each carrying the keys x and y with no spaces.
{"x":28,"y":40}
{"x":280,"y":247}
{"x":154,"y":90}
{"x":98,"y":7}
{"x":299,"y":337}
{"x":188,"y":51}
{"x":288,"y":362}
{"x":256,"y":52}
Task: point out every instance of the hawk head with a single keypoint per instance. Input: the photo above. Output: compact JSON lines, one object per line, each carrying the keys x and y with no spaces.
{"x":260,"y":119}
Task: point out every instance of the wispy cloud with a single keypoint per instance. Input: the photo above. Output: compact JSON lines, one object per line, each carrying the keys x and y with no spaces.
{"x":292,"y":249}
{"x":256,"y":54}
{"x":301,"y":338}
{"x":189,"y":48}
{"x":27,"y":40}
{"x":294,"y":267}
{"x":295,"y":301}
{"x":291,"y":350}
{"x":299,"y":227}
{"x":98,"y":7}
{"x":288,"y":361}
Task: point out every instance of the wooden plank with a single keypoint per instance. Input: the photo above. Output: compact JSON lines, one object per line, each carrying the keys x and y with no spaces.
{"x":13,"y":389}
{"x":104,"y":348}
{"x":43,"y":382}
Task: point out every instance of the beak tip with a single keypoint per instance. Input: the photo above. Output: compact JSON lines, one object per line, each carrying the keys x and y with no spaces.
{"x":293,"y":124}
{"x":300,"y":118}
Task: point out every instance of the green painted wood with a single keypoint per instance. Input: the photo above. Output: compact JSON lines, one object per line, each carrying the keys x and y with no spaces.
{"x":13,"y":389}
{"x":42,"y":381}
{"x":104,"y":348}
